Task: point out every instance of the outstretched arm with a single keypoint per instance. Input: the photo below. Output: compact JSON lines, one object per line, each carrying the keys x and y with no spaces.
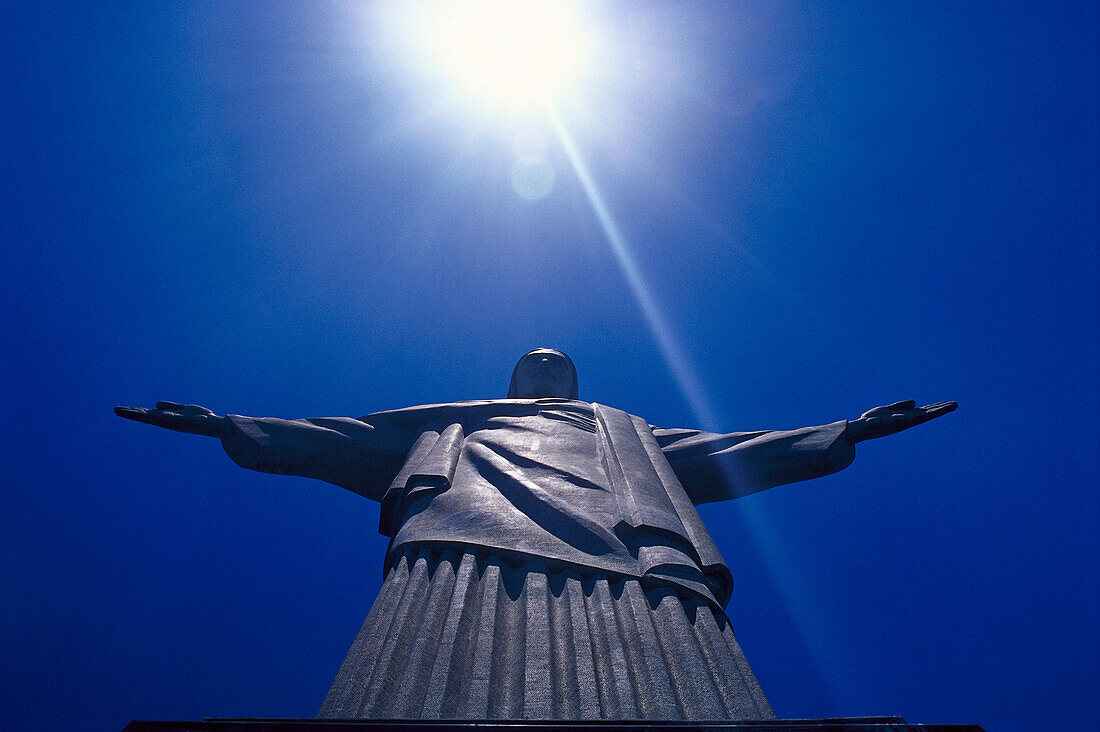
{"x":718,"y":467}
{"x":351,"y":453}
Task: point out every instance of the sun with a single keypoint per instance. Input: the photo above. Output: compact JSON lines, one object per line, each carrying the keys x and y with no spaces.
{"x":508,"y":53}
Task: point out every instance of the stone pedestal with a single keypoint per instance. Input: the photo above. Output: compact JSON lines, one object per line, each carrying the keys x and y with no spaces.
{"x":848,"y":724}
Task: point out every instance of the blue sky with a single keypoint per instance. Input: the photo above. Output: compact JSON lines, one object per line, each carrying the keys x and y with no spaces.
{"x":268,"y":209}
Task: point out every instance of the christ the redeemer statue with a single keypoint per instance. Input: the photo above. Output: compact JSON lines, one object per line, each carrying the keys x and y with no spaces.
{"x":546,"y":559}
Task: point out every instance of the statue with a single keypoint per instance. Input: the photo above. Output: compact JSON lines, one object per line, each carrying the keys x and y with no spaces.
{"x":546,"y":559}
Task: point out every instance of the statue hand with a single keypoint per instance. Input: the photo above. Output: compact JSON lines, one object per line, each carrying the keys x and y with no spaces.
{"x":882,"y":421}
{"x":179,"y":417}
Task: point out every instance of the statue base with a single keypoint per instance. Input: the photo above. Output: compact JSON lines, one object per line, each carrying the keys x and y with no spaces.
{"x":846,"y":724}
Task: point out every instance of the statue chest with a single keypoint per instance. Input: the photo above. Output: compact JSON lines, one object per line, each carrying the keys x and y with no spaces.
{"x":554,"y":449}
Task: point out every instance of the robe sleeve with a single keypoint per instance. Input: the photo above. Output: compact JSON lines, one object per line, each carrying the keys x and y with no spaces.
{"x":355,"y":454}
{"x":718,"y":467}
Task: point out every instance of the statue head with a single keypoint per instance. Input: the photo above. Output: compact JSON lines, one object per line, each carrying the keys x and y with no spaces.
{"x":544,"y":373}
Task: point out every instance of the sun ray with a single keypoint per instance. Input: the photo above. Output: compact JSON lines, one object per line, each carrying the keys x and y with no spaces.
{"x":818,"y":635}
{"x":669,"y":345}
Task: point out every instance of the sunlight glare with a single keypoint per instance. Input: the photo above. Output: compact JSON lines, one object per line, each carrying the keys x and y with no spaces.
{"x":515,"y":53}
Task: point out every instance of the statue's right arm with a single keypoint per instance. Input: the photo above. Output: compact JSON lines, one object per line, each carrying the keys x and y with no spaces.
{"x":351,"y":453}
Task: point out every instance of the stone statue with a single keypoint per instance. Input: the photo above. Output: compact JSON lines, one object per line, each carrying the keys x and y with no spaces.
{"x":546,"y":559}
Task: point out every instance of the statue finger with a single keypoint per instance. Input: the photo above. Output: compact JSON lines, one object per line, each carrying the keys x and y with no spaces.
{"x":135,"y":413}
{"x":170,"y":406}
{"x":935,"y":410}
{"x":907,"y":404}
{"x":941,"y":408}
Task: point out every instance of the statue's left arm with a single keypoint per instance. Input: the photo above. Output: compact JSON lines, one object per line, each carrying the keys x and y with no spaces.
{"x":718,"y":467}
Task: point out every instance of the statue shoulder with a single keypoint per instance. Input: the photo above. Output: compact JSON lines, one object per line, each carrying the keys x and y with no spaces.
{"x":448,"y":412}
{"x":471,"y":410}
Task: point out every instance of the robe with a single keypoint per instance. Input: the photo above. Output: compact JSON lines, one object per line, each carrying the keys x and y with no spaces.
{"x":514,"y":499}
